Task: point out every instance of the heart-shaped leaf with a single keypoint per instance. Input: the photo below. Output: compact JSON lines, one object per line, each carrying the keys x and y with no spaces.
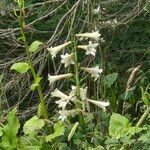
{"x":21,"y":67}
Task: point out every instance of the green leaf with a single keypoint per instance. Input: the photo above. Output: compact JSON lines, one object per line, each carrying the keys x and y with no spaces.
{"x":118,"y":125}
{"x":133,"y":130}
{"x":73,"y":130}
{"x":144,"y":138}
{"x":96,"y":148}
{"x":10,"y":130}
{"x":33,"y":125}
{"x":34,"y":46}
{"x":21,"y":67}
{"x":36,"y":83}
{"x":59,"y":129}
{"x":111,"y":78}
{"x":145,"y":97}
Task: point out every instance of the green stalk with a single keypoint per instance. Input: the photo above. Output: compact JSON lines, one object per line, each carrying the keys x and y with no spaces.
{"x":81,"y":119}
{"x":139,"y":123}
{"x":144,"y":116}
{"x":39,"y":89}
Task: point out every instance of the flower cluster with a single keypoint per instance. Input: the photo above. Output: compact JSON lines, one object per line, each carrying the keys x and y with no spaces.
{"x":69,"y":59}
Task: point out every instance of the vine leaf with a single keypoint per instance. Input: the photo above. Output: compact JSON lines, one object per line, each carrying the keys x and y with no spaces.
{"x":34,"y":46}
{"x":32,"y":125}
{"x":21,"y":67}
{"x":36,"y":83}
{"x":111,"y":78}
{"x":59,"y":129}
{"x":120,"y":126}
{"x":10,"y":130}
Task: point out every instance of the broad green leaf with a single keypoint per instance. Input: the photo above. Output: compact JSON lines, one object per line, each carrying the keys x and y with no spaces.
{"x":73,"y":130}
{"x":59,"y":129}
{"x":145,"y":97}
{"x":21,"y":67}
{"x":10,"y":130}
{"x":133,"y":130}
{"x":111,"y":78}
{"x":36,"y":83}
{"x":30,"y":143}
{"x":33,"y":125}
{"x":118,"y":125}
{"x":34,"y":46}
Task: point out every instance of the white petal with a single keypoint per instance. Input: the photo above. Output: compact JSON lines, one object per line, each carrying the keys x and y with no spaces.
{"x":58,"y":77}
{"x":59,"y":94}
{"x":100,"y":104}
{"x":93,"y":35}
{"x":57,"y":49}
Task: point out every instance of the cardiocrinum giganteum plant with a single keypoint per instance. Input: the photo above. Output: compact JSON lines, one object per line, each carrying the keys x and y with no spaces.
{"x":76,"y":101}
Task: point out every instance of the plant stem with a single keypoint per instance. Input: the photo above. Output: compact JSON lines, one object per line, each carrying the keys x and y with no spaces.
{"x":81,"y":119}
{"x":39,"y":89}
{"x":144,"y":116}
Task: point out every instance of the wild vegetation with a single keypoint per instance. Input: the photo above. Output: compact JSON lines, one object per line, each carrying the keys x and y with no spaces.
{"x":74,"y":75}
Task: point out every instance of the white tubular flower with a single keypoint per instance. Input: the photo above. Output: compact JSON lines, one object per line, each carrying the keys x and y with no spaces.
{"x":95,"y":72}
{"x":64,"y":99}
{"x":83,"y":92}
{"x":58,"y":77}
{"x":90,"y":49}
{"x":59,"y":94}
{"x":100,"y":104}
{"x":57,"y":49}
{"x":93,"y":35}
{"x":67,"y":59}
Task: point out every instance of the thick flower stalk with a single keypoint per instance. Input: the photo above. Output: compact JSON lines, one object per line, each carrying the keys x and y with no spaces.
{"x":95,"y":72}
{"x":55,"y":78}
{"x":90,"y":49}
{"x":55,"y":50}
